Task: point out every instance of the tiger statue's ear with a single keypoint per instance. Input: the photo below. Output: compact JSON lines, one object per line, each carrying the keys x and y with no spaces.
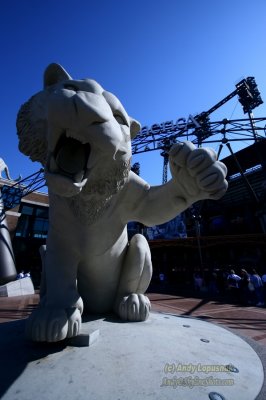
{"x":53,"y":74}
{"x":135,"y":127}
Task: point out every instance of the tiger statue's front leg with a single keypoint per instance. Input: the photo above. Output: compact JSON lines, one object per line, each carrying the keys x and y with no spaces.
{"x":58,"y":315}
{"x":131,"y":304}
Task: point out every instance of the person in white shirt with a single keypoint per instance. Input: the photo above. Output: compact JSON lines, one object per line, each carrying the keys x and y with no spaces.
{"x":233,"y":279}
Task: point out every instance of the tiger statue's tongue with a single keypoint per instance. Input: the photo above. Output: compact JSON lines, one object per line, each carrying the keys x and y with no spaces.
{"x":71,"y":158}
{"x":66,"y":172}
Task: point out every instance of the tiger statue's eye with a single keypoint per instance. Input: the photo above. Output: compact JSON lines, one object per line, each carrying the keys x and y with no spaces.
{"x":120,"y":119}
{"x":70,"y":87}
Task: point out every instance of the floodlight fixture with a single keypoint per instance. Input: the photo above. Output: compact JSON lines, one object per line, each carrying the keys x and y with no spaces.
{"x":136,"y":168}
{"x":248,"y":94}
{"x":204,"y":130}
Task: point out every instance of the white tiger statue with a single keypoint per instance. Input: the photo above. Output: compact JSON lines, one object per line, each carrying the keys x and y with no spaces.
{"x":82,"y":135}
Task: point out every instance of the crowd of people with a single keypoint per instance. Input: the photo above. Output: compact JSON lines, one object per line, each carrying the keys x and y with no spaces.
{"x":245,"y":287}
{"x":23,"y":274}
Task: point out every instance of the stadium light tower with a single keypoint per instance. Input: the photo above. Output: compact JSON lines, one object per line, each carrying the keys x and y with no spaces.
{"x":249,"y":97}
{"x":248,"y":94}
{"x":136,"y":168}
{"x":203,"y":132}
{"x":166,"y":145}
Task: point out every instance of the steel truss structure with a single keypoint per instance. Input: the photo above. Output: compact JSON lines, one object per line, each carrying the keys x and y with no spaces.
{"x":198,"y":129}
{"x":12,"y":195}
{"x":244,"y":128}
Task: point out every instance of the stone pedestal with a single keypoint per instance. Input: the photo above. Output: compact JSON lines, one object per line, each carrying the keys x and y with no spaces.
{"x":166,"y":357}
{"x":19,"y":287}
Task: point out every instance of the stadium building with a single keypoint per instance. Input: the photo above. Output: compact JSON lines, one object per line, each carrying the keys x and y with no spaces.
{"x":230,"y":231}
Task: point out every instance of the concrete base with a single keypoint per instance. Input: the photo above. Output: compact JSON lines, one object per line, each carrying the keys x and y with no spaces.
{"x":19,"y":287}
{"x":166,"y":357}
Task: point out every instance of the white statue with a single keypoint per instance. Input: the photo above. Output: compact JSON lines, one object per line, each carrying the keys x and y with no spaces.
{"x":4,"y":168}
{"x":82,"y":135}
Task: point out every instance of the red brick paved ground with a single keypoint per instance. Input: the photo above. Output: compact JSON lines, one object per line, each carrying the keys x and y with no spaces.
{"x":19,"y":307}
{"x":246,"y":321}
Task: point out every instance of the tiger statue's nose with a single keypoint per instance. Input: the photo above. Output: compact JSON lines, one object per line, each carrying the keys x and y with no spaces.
{"x":72,"y":110}
{"x":91,"y":108}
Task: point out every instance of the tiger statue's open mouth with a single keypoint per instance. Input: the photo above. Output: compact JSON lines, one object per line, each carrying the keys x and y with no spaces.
{"x":69,"y":162}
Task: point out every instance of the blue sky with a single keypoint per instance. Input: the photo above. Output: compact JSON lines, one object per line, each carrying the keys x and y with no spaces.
{"x":164,"y":59}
